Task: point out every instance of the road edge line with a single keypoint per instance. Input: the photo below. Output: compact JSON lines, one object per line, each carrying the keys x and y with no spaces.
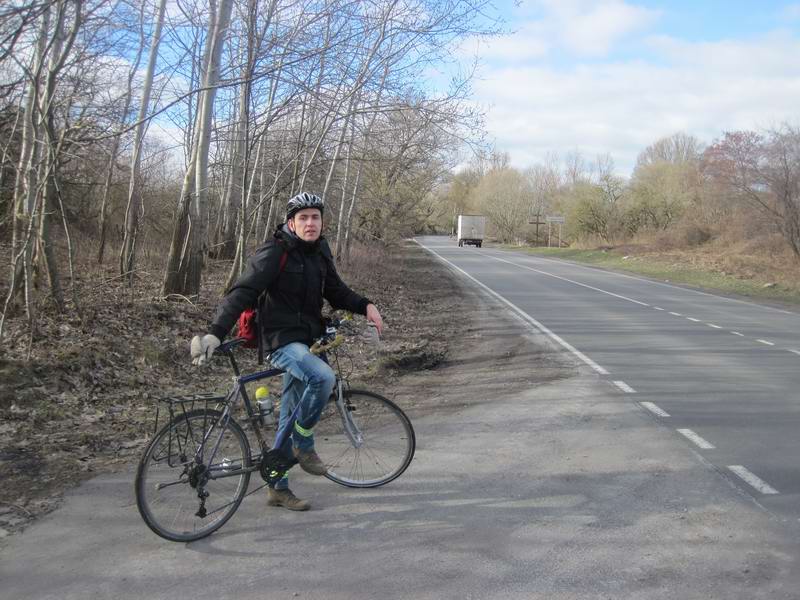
{"x":521,"y":313}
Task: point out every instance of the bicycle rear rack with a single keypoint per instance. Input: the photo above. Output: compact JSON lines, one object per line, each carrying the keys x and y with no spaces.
{"x":176,"y":406}
{"x":181,"y":406}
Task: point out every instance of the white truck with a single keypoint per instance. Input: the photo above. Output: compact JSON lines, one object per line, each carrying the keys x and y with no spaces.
{"x":471,"y":229}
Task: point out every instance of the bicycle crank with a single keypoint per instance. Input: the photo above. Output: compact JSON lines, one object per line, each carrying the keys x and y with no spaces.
{"x":274,"y":464}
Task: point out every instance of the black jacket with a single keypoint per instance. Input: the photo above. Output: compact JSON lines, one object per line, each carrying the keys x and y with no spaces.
{"x":293,"y":307}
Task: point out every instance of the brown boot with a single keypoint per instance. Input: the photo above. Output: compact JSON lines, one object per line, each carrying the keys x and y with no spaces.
{"x":310,"y":462}
{"x":286,"y":499}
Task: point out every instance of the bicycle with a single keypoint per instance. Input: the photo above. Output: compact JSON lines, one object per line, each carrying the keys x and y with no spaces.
{"x":194,"y":473}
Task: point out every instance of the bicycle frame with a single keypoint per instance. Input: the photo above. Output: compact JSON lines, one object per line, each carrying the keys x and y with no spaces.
{"x":350,"y":427}
{"x":240,"y":381}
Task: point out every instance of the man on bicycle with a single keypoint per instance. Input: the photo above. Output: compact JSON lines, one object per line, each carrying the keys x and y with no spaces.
{"x":296,"y":270}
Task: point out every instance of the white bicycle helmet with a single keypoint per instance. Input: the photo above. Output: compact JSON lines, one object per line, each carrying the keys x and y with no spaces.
{"x":301,"y":201}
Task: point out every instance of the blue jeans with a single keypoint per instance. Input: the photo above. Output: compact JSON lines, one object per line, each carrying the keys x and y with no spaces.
{"x":308,"y":380}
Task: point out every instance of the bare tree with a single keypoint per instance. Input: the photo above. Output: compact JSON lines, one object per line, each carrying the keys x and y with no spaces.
{"x":576,"y":169}
{"x":545,"y":181}
{"x":677,"y":148}
{"x":186,"y":255}
{"x":325,"y":95}
{"x":133,"y":209}
{"x":503,"y":195}
{"x":763,"y":169}
{"x":239,"y":187}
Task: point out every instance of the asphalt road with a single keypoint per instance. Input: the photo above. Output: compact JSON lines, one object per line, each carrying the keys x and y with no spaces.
{"x":725,"y":371}
{"x":567,"y":489}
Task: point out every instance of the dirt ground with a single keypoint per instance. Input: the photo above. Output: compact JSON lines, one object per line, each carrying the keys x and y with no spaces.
{"x":84,"y":403}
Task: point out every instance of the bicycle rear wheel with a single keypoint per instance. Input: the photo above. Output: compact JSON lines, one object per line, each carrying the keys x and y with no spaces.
{"x":170,"y":479}
{"x":369,"y":445}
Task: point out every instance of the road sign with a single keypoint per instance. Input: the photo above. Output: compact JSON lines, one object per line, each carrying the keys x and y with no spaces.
{"x":554,"y":219}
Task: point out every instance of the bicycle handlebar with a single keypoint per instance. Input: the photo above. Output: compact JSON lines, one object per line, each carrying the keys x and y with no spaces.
{"x":226,"y":347}
{"x":322,"y":345}
{"x":330,"y":340}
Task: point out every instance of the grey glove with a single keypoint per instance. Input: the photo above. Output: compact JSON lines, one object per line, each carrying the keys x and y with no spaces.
{"x":203,"y":347}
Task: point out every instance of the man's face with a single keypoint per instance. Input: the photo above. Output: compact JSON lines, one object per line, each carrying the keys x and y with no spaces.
{"x":306,"y":224}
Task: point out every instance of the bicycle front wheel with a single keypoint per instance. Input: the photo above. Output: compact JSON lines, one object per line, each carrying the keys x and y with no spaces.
{"x":367,"y":444}
{"x":184,"y":494}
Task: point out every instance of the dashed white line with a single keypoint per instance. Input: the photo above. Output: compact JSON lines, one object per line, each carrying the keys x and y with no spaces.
{"x":766,"y":342}
{"x":624,"y":387}
{"x":658,"y":308}
{"x":693,"y":319}
{"x":714,"y":326}
{"x":752,"y":479}
{"x":700,"y":442}
{"x":653,"y":408}
{"x":737,"y":333}
{"x":794,"y":351}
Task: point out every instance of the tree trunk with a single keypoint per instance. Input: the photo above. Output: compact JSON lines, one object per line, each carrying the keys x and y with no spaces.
{"x":340,"y":221}
{"x":60,"y":49}
{"x":127,"y":258}
{"x":269,"y":226}
{"x":26,"y":184}
{"x":348,"y":225}
{"x":47,"y":257}
{"x":112,"y":159}
{"x":262,"y":183}
{"x":186,"y":257}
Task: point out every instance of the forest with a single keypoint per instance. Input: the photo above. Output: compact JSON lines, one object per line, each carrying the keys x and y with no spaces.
{"x":142,"y":139}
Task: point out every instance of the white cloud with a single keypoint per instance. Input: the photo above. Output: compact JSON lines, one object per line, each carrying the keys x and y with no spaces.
{"x":591,"y":28}
{"x":702,"y":89}
{"x":581,"y":27}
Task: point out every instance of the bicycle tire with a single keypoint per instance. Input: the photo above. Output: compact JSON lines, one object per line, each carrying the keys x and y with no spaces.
{"x":170,"y":511}
{"x":386,"y":449}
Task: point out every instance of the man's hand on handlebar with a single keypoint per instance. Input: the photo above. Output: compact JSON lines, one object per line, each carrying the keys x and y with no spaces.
{"x":202,"y":348}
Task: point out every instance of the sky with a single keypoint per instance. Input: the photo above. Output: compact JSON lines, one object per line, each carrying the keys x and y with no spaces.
{"x":614,"y":76}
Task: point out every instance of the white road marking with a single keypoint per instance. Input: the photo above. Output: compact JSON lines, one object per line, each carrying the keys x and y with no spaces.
{"x":676,"y":314}
{"x":714,"y":326}
{"x":794,"y":351}
{"x":755,"y":481}
{"x":737,"y":333}
{"x":658,"y":308}
{"x":624,"y":387}
{"x":691,"y":435}
{"x":655,"y":409}
{"x":525,"y":316}
{"x":768,"y":343}
{"x":693,"y":319}
{"x":567,"y":280}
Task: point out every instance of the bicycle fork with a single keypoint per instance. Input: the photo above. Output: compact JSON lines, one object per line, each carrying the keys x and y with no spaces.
{"x":346,"y":411}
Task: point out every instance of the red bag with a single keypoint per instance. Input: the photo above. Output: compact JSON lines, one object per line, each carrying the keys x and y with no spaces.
{"x":248,"y":323}
{"x":248,"y":327}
